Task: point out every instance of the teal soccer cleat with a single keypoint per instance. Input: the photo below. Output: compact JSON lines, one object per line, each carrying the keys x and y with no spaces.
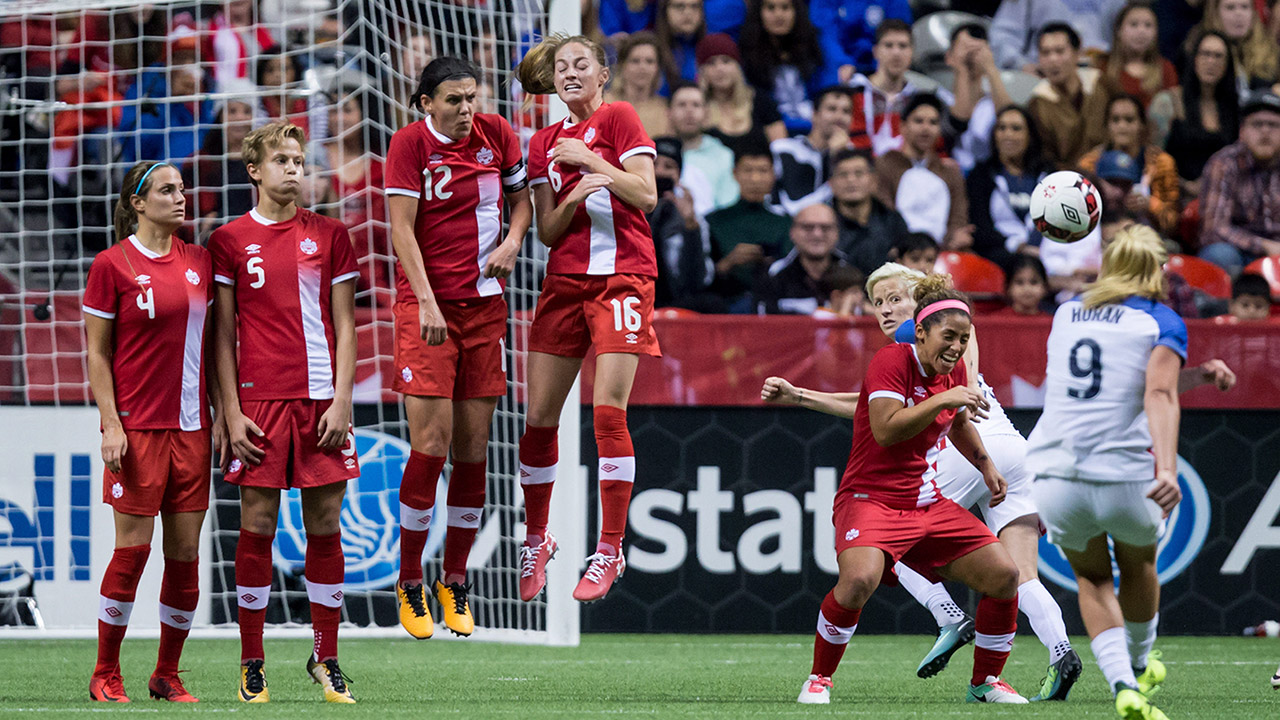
{"x":950,"y":639}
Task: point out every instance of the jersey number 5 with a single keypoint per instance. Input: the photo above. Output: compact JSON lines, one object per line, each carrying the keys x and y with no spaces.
{"x":1093,"y":370}
{"x":254,"y":268}
{"x":625,"y":313}
{"x":444,"y":174}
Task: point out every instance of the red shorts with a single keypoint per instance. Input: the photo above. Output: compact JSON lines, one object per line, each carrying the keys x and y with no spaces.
{"x":293,"y":456}
{"x":612,"y":312}
{"x":471,"y":363}
{"x":924,"y":538}
{"x":163,"y":471}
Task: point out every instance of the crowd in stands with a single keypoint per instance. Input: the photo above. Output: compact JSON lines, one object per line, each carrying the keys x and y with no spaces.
{"x":800,"y":144}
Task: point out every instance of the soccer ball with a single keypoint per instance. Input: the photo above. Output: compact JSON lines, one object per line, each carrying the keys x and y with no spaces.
{"x":1065,"y":206}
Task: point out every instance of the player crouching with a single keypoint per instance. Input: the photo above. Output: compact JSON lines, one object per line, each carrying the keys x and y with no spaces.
{"x":286,"y":294}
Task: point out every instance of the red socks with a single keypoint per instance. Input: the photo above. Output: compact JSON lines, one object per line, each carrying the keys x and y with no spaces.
{"x":836,"y":625}
{"x":324,"y":571}
{"x":466,"y":505}
{"x":996,"y":621}
{"x":119,"y":587}
{"x":617,"y":474}
{"x":179,"y":595}
{"x":253,"y":590}
{"x":417,"y":501}
{"x":539,"y":454}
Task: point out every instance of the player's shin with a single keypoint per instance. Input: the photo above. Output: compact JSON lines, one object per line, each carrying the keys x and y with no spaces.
{"x":997,"y":622}
{"x":539,"y":455}
{"x":324,"y":572}
{"x":179,"y":595}
{"x":417,"y":502}
{"x":617,"y":475}
{"x":836,"y":625}
{"x":253,"y":590}
{"x":119,"y":588}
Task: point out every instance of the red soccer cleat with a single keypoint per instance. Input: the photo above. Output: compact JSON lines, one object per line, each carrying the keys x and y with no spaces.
{"x":602,"y":572}
{"x":169,"y":688}
{"x":107,"y":687}
{"x":533,"y":566}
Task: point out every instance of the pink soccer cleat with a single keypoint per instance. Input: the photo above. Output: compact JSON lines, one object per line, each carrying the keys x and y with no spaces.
{"x":533,"y":566}
{"x":816,"y":691}
{"x":602,"y":572}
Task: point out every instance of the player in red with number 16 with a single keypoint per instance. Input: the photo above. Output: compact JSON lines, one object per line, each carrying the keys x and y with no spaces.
{"x":592,"y":178}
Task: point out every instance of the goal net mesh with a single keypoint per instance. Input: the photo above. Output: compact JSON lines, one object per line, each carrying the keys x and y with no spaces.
{"x":89,"y":88}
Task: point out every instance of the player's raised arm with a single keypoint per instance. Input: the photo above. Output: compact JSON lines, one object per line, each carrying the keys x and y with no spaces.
{"x":778,"y":391}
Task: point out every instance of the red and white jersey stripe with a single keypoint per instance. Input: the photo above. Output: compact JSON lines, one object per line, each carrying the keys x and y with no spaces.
{"x":282,"y":273}
{"x":159,"y":304}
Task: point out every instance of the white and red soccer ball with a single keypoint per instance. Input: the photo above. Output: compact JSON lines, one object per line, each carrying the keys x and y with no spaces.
{"x":1065,"y":206}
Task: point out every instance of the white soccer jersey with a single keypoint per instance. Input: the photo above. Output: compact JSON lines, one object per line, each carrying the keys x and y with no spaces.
{"x":1094,"y":426}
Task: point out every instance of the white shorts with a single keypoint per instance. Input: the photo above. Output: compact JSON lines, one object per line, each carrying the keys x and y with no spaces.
{"x":1077,"y":511}
{"x":960,"y":481}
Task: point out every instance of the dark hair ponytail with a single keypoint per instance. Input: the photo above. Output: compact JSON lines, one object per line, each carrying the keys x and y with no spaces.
{"x":442,"y":69}
{"x":136,"y":182}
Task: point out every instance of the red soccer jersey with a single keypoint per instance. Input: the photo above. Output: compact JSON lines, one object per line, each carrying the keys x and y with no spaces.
{"x":901,"y":475}
{"x":282,"y":273}
{"x":606,"y":235}
{"x":459,"y":187}
{"x":159,"y":304}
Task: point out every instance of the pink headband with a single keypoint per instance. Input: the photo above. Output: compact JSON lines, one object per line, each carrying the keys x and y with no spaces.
{"x":932,"y":308}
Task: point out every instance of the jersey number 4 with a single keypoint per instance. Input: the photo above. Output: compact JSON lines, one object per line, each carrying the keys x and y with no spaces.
{"x":441,"y":177}
{"x":1091,"y":370}
{"x":147,"y":301}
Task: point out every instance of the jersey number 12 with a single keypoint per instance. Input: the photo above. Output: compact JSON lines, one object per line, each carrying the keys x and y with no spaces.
{"x":445,"y":175}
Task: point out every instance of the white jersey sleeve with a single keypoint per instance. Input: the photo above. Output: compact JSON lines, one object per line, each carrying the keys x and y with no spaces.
{"x":1094,"y":426}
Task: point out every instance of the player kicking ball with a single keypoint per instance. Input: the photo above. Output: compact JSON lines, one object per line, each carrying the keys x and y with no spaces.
{"x":286,"y":296}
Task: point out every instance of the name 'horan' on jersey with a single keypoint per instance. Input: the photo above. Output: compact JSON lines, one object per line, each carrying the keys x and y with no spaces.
{"x":282,"y":273}
{"x":1094,"y":425}
{"x":459,"y":186}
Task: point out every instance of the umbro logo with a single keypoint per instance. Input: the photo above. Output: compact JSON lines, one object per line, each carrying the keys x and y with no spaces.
{"x":919,"y":390}
{"x":832,"y":630}
{"x":524,"y":473}
{"x":608,"y":467}
{"x":632,"y":338}
{"x":435,"y":158}
{"x":470,"y":517}
{"x":253,"y":249}
{"x":424,"y":520}
{"x":143,"y":279}
{"x":337,"y":596}
{"x":113,"y":611}
{"x":249,"y":598}
{"x":180,"y":619}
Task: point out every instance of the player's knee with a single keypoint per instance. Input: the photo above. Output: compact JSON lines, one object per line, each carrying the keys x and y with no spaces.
{"x":432,"y":441}
{"x":853,"y":590}
{"x":1005,"y":581}
{"x":182,"y":552}
{"x":258,"y":524}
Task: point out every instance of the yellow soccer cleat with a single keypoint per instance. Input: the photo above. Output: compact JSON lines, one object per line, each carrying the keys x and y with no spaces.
{"x":1133,"y":705}
{"x":253,"y":683}
{"x":457,"y":611}
{"x":413,"y":612}
{"x":329,"y":677}
{"x":1150,"y":679}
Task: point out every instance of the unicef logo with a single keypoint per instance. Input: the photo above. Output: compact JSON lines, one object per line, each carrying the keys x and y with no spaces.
{"x":1183,"y":535}
{"x":370,"y":518}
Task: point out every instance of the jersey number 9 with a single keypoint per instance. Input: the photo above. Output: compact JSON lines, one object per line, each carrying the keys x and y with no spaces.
{"x":1093,"y":370}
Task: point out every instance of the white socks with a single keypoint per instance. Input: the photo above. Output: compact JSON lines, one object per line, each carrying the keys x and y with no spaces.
{"x":933,"y":596}
{"x":1112,"y":653}
{"x":1046,"y":618}
{"x":1140,"y":636}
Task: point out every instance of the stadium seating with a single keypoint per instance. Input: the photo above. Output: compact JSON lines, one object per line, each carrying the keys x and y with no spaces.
{"x":1269,"y":268}
{"x":1201,"y":274}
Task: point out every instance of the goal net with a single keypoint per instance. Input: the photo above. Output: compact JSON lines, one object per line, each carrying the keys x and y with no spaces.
{"x":88,"y":88}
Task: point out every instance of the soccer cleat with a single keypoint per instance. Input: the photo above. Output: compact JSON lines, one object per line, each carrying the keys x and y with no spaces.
{"x":816,"y":691}
{"x":1133,"y":705}
{"x":1149,"y":680}
{"x":169,"y":688}
{"x":994,"y":690}
{"x":950,"y":639}
{"x":1275,"y":680}
{"x":602,"y":572}
{"x":533,"y":566}
{"x":414,"y":617}
{"x":331,"y":679}
{"x":457,"y":611}
{"x":108,"y":687}
{"x":253,"y":683}
{"x":1058,"y":680}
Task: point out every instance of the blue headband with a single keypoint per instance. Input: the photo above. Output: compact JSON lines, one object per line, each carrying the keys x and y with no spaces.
{"x":144,"y":177}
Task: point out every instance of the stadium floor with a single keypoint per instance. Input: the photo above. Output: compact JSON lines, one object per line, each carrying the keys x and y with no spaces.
{"x":658,"y":676}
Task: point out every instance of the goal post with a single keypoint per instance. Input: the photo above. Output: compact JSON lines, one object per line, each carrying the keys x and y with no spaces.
{"x":87,"y":88}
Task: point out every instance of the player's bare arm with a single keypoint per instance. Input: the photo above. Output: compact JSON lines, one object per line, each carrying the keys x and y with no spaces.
{"x":1213,"y":372}
{"x":337,"y":419}
{"x":221,"y":447}
{"x":404,"y":211}
{"x":778,"y":391}
{"x":503,"y":259}
{"x":114,"y":445}
{"x":224,"y":348}
{"x":892,"y":421}
{"x":633,"y":183}
{"x":554,"y":220}
{"x":1160,"y":401}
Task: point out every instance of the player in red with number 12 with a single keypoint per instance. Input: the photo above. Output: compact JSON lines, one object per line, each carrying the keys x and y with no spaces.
{"x":592,"y":178}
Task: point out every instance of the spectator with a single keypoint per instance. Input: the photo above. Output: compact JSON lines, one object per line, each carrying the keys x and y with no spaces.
{"x":235,"y":36}
{"x":1000,"y":189}
{"x":1240,"y":197}
{"x":680,"y":237}
{"x":879,"y":97}
{"x":974,"y":65}
{"x":1202,"y":116}
{"x":680,"y":25}
{"x":642,"y":62}
{"x":1253,"y":50}
{"x":842,"y":284}
{"x":167,"y":130}
{"x":138,"y":37}
{"x":1134,"y":65}
{"x":277,"y":74}
{"x":1250,"y":298}
{"x":1014,"y":34}
{"x":1026,"y":289}
{"x":619,"y":18}
{"x":916,"y":251}
{"x":782,"y":57}
{"x":1154,"y":195}
{"x":216,"y":175}
{"x":802,"y":163}
{"x":847,"y":30}
{"x":702,"y":152}
{"x":794,"y":284}
{"x":927,"y":190}
{"x":868,"y":227}
{"x":737,"y":115}
{"x":747,"y":237}
{"x":1069,"y":106}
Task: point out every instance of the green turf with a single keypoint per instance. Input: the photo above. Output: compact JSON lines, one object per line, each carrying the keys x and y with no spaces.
{"x":659,"y":676}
